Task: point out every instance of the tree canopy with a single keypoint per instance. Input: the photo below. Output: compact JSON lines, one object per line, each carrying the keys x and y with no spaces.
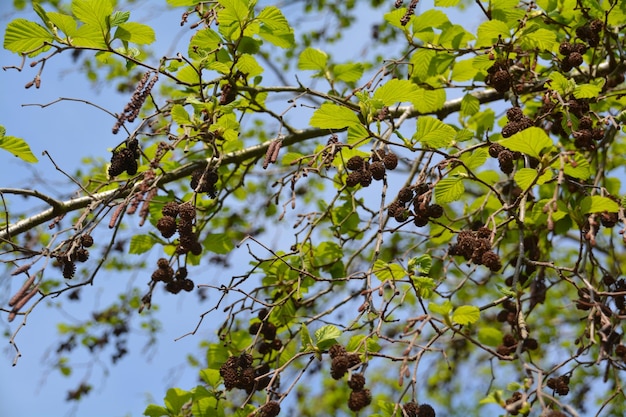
{"x":434,"y":226}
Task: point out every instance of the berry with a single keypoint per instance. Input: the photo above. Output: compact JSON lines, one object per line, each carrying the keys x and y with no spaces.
{"x":492,"y":261}
{"x":495,"y":149}
{"x":434,"y":211}
{"x":276,"y":344}
{"x":514,"y":114}
{"x":359,"y":399}
{"x":86,"y":241}
{"x":510,"y":129}
{"x":531,"y":344}
{"x":254,"y":328}
{"x":505,"y":159}
{"x":337,"y":350}
{"x":378,"y":155}
{"x":355,"y":163}
{"x":581,"y":48}
{"x":163,"y":263}
{"x":161,"y":275}
{"x":174,"y":287}
{"x":366,"y":178}
{"x":391,"y":161}
{"x":411,"y":409}
{"x":509,"y":340}
{"x":69,"y":269}
{"x":262,"y":314}
{"x":500,"y":80}
{"x":575,"y":59}
{"x":170,"y":209}
{"x":353,"y":179}
{"x":608,"y":219}
{"x":167,"y":226}
{"x":596,"y":25}
{"x":187,"y":211}
{"x":420,"y":221}
{"x":270,"y":409}
{"x":268,"y":330}
{"x":377,"y":169}
{"x":394,"y":209}
{"x":585,"y":122}
{"x":565,"y":48}
{"x":82,"y":255}
{"x":357,"y":382}
{"x":188,"y":285}
{"x":405,"y":195}
{"x":339,"y":366}
{"x":426,"y":411}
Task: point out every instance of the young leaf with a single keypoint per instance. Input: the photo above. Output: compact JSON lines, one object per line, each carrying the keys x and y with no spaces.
{"x":396,"y":91}
{"x":333,"y":116}
{"x":385,"y":271}
{"x":420,"y":264}
{"x":220,"y":243}
{"x":141,"y":244}
{"x":349,"y":73}
{"x":326,"y":336}
{"x":93,"y":12}
{"x":598,"y":204}
{"x":490,"y":336}
{"x":307,"y":342}
{"x":175,"y":398}
{"x":532,"y":141}
{"x":312,"y":59}
{"x":63,"y":22}
{"x":443,"y":309}
{"x":275,"y":28}
{"x":466,"y":315}
{"x":154,"y":410}
{"x":135,"y":33}
{"x":433,"y":132}
{"x":491,"y":31}
{"x":524,"y":177}
{"x":180,"y":115}
{"x":23,"y":36}
{"x":16,"y":146}
{"x":449,"y":189}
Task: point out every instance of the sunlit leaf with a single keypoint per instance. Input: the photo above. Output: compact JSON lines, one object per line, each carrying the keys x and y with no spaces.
{"x":135,"y":33}
{"x":598,"y":204}
{"x":449,"y":189}
{"x":312,"y":59}
{"x":466,"y":315}
{"x":22,"y":36}
{"x":432,"y":132}
{"x":532,"y":141}
{"x":17,"y":147}
{"x":333,"y":116}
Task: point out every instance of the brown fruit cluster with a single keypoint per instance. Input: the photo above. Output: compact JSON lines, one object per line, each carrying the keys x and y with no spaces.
{"x":590,"y":32}
{"x":342,"y":361}
{"x":620,"y":352}
{"x":131,"y":111}
{"x":475,"y":246}
{"x":560,"y":385}
{"x":168,"y":225}
{"x":268,"y":331}
{"x":412,"y":409}
{"x":67,"y":260}
{"x":419,"y":196}
{"x":508,"y":313}
{"x":239,"y":373}
{"x":517,"y":122}
{"x":204,"y":180}
{"x":586,"y":136}
{"x":174,"y":282}
{"x":510,"y":343}
{"x":498,"y":77}
{"x":269,"y":409}
{"x":572,"y":55}
{"x":363,"y":172}
{"x":125,"y":159}
{"x":506,"y":158}
{"x":515,"y":397}
{"x":410,"y":11}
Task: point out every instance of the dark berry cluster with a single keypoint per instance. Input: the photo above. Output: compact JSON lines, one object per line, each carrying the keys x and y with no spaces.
{"x":125,"y":159}
{"x":239,"y":373}
{"x":360,"y":397}
{"x":508,"y":313}
{"x":342,"y":361}
{"x":410,"y":11}
{"x":572,"y":55}
{"x":204,"y":180}
{"x":131,"y":111}
{"x":620,"y":352}
{"x":269,"y":409}
{"x":517,"y":122}
{"x":590,"y":32}
{"x":67,"y":260}
{"x":175,"y":282}
{"x":510,"y":343}
{"x":363,"y":172}
{"x":412,"y":409}
{"x":560,"y":385}
{"x":498,"y":77}
{"x":419,"y":197}
{"x":514,"y":398}
{"x":228,"y":95}
{"x":268,"y":330}
{"x":169,"y":224}
{"x":475,"y":245}
{"x":586,"y":136}
{"x":506,"y":158}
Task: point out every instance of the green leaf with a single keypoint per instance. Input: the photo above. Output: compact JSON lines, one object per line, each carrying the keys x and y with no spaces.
{"x":232,"y":17}
{"x":490,"y":31}
{"x":23,"y":36}
{"x":307,"y":342}
{"x":312,"y":59}
{"x":588,"y":90}
{"x":206,"y":40}
{"x":136,"y":33}
{"x":446,"y":3}
{"x":396,"y":91}
{"x":63,"y":22}
{"x":385,"y":271}
{"x":210,"y":376}
{"x":154,"y":410}
{"x":89,"y":36}
{"x":175,"y":399}
{"x":560,"y":84}
{"x":180,"y":115}
{"x":466,"y":315}
{"x":181,"y":3}
{"x":356,"y":344}
{"x":141,"y":244}
{"x":449,"y":189}
{"x":532,"y":141}
{"x":248,"y":65}
{"x":333,"y":116}
{"x":220,"y":243}
{"x":469,"y":105}
{"x":326,"y":336}
{"x":578,"y":168}
{"x":275,"y":28}
{"x":475,"y":159}
{"x":464,"y":70}
{"x":429,"y":19}
{"x":542,"y":39}
{"x":118,"y":18}
{"x":490,"y":336}
{"x":598,"y":204}
{"x":16,"y":146}
{"x":93,"y":12}
{"x":350,"y":72}
{"x":420,"y":264}
{"x":424,"y":286}
{"x":443,"y":309}
{"x":433,"y":132}
{"x":524,"y":177}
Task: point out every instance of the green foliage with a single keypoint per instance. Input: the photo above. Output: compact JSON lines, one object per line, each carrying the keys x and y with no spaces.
{"x":448,"y":202}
